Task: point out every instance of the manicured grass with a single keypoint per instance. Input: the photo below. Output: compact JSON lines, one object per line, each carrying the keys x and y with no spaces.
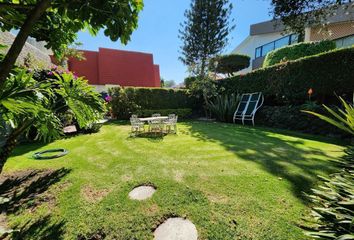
{"x":232,"y":182}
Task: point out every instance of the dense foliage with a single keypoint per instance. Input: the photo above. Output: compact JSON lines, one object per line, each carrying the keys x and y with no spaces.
{"x":297,"y":51}
{"x":297,"y":14}
{"x":121,"y":105}
{"x":180,"y":112}
{"x":204,"y":33}
{"x":188,"y":81}
{"x":229,"y":64}
{"x":334,"y":203}
{"x":334,"y":199}
{"x":27,"y":103}
{"x":126,"y":101}
{"x":325,"y":74}
{"x":290,"y":117}
{"x":61,"y":20}
{"x":223,"y":107}
{"x":57,"y":22}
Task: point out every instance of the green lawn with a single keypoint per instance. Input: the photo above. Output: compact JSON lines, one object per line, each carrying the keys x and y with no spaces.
{"x":232,"y":182}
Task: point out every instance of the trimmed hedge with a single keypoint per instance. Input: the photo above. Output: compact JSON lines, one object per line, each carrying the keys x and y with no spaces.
{"x":160,"y":98}
{"x":229,"y":64}
{"x":326,"y":73}
{"x":297,"y":51}
{"x":181,"y":112}
{"x":145,"y":101}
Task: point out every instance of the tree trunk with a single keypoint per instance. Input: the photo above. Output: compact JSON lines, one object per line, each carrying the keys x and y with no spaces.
{"x":11,"y":142}
{"x":10,"y":59}
{"x":7,"y":149}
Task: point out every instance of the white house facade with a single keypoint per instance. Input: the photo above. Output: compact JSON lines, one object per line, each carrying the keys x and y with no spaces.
{"x":270,"y":35}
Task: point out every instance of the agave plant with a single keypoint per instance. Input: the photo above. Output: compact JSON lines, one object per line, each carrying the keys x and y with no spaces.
{"x":25,"y":103}
{"x":334,"y":204}
{"x":343,"y":119}
{"x":334,"y":199}
{"x":224,"y":106}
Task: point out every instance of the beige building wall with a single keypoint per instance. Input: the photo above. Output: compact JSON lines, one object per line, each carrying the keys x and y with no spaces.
{"x":38,"y":52}
{"x":104,"y":88}
{"x":332,"y":32}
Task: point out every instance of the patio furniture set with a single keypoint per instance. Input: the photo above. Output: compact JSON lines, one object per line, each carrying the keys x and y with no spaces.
{"x":156,"y":124}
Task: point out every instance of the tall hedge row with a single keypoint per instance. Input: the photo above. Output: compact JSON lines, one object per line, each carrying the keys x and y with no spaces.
{"x":297,"y":51}
{"x":145,"y":101}
{"x":327,"y":74}
{"x":160,"y":98}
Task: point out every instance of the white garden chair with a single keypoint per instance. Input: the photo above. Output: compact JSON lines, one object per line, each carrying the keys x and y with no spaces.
{"x":171,"y":123}
{"x":137,"y":126}
{"x":248,"y":106}
{"x":156,"y":126}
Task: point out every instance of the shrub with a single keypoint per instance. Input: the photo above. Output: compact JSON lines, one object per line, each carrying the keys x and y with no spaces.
{"x":223,"y":107}
{"x":289,"y":82}
{"x":121,"y":105}
{"x":181,"y":112}
{"x":229,"y":64}
{"x":189,"y":81}
{"x":160,"y":98}
{"x":126,"y":101}
{"x":297,"y":51}
{"x":290,"y":117}
{"x":91,"y":128}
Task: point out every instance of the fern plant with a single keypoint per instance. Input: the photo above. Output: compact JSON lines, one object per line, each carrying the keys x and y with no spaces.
{"x":224,"y":106}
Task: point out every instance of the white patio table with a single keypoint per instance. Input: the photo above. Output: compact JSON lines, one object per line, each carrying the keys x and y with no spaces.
{"x":148,"y":119}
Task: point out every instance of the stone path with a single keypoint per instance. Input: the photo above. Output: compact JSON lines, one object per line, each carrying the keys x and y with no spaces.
{"x":173,"y":228}
{"x":176,"y":229}
{"x":142,"y":193}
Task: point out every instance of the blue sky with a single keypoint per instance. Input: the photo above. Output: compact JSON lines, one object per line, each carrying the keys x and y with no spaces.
{"x":157,"y":33}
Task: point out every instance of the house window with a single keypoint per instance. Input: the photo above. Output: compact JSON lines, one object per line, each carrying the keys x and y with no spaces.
{"x":284,"y":41}
{"x":258,"y":52}
{"x":345,"y":42}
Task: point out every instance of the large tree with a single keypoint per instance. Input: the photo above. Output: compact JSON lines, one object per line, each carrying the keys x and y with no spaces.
{"x":297,"y":14}
{"x":205,"y":33}
{"x":58,"y":21}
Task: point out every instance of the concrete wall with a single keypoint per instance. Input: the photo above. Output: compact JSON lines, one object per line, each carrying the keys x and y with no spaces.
{"x":116,"y":67}
{"x":40,"y":55}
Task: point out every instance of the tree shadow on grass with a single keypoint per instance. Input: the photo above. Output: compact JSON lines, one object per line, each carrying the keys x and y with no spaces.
{"x":28,"y":190}
{"x":23,"y":188}
{"x":151,"y":136}
{"x":44,"y":228}
{"x":283,"y":157}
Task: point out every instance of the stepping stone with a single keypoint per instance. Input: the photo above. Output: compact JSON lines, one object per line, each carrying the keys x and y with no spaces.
{"x":70,"y":129}
{"x":142,"y":193}
{"x":176,"y":229}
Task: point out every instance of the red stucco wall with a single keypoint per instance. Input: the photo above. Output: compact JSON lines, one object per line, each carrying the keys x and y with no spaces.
{"x":124,"y":68}
{"x":157,"y":75}
{"x":86,"y":68}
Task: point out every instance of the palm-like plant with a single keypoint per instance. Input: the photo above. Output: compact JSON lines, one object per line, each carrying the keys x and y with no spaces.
{"x":25,"y":103}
